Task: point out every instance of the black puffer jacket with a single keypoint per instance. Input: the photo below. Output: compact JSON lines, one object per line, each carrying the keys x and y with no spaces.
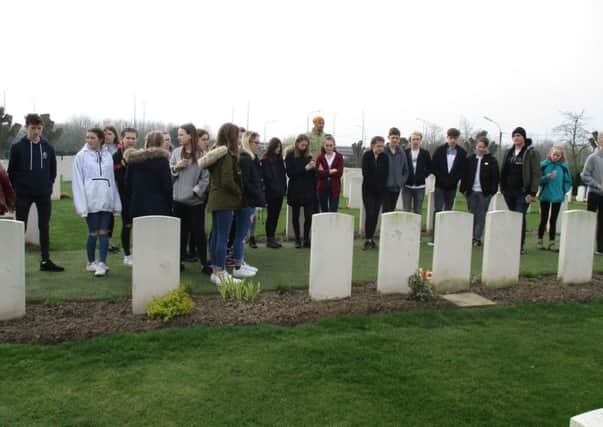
{"x":302,"y":182}
{"x":253,"y":186}
{"x":488,"y":175}
{"x":374,"y":172}
{"x":275,"y":177}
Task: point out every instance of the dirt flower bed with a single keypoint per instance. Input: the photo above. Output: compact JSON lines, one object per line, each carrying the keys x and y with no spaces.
{"x":55,"y":323}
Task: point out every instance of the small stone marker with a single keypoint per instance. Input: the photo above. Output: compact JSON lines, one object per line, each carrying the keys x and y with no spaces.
{"x":502,"y":249}
{"x":331,"y":256}
{"x":429,"y":194}
{"x":156,"y":267}
{"x":398,"y":251}
{"x":66,"y":167}
{"x":56,"y":189}
{"x":32,"y":232}
{"x":588,"y":419}
{"x":452,"y":251}
{"x":581,"y":196}
{"x":362,"y":221}
{"x":468,"y":299}
{"x":12,"y":269}
{"x":576,"y":251}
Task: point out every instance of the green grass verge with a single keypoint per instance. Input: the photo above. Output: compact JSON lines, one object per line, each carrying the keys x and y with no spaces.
{"x":531,"y":365}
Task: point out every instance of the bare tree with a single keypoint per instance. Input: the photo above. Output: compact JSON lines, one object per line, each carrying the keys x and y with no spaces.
{"x":573,"y":134}
{"x":358,"y":151}
{"x":434,"y":136}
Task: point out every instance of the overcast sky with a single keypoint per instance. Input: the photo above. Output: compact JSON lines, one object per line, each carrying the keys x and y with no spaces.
{"x":518,"y":62}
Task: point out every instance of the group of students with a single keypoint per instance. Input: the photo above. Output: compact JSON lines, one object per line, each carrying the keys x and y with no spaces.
{"x":231,"y":180}
{"x":388,"y":171}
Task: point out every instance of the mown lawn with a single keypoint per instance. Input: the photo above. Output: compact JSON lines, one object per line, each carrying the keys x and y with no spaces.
{"x":531,"y":365}
{"x":287,"y":266}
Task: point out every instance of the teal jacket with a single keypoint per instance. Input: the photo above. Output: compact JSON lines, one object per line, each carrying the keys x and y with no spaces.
{"x":554,"y":190}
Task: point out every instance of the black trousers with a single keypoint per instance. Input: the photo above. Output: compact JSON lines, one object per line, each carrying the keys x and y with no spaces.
{"x":44,"y":206}
{"x":308,"y":211}
{"x":273,"y":211}
{"x":372,"y":205}
{"x":192,"y":220}
{"x":545,"y":208}
{"x":390,"y":198}
{"x":595,"y":204}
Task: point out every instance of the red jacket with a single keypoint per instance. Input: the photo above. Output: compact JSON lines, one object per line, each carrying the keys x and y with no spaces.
{"x":324,"y":176}
{"x":7,"y":195}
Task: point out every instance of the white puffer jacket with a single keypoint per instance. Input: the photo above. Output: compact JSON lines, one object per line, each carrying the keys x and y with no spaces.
{"x":93,"y":183}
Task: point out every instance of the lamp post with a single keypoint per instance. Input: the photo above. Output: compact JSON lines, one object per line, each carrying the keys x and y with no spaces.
{"x":308,"y":119}
{"x":500,"y":149}
{"x":266,"y":123}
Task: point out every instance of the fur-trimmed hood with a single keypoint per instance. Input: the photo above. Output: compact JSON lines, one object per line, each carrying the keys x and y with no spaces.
{"x":212,"y":157}
{"x":133,"y":155}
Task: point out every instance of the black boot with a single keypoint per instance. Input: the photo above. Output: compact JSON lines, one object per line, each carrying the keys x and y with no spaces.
{"x":48,"y":265}
{"x":271,"y":243}
{"x":298,"y":243}
{"x":252,"y":243}
{"x":306,"y":243}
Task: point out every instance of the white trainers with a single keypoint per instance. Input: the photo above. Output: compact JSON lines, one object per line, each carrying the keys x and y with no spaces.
{"x":243,"y":272}
{"x":91,"y":267}
{"x":223,"y":276}
{"x":128,"y":260}
{"x":101,"y":269}
{"x":250,"y":267}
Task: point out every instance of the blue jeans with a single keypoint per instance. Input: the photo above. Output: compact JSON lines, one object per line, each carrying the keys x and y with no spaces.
{"x":328,"y":201}
{"x":412,"y":199}
{"x":221,"y":222}
{"x":516,"y":201}
{"x":243,"y":220}
{"x":98,"y":221}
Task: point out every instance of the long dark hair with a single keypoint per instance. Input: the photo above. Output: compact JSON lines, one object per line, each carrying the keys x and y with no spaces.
{"x":270,"y":153}
{"x":99,"y":134}
{"x":116,"y":141}
{"x":190,"y":130}
{"x":228,"y":135}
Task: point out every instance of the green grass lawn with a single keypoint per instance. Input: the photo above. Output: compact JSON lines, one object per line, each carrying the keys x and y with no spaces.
{"x":284,"y":267}
{"x":531,"y":365}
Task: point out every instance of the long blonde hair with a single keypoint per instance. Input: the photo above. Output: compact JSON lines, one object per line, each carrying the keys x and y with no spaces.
{"x":246,"y":140}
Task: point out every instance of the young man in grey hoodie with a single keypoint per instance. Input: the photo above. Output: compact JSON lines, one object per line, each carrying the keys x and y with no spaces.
{"x":397,"y":173}
{"x":592,"y":175}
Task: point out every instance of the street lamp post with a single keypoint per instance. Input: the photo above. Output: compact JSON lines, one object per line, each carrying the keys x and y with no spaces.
{"x":308,"y":119}
{"x":500,"y":149}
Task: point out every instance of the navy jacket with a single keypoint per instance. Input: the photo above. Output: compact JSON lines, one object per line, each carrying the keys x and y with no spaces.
{"x":488,"y":175}
{"x":253,"y":186}
{"x":439,"y":167}
{"x":148,"y":182}
{"x":32,"y":168}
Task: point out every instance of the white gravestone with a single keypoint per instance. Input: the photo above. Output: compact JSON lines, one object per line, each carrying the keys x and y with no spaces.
{"x":452,"y":251}
{"x":56,"y":189}
{"x":156,"y":267}
{"x":355,"y":200}
{"x":12,"y":270}
{"x":581,"y":196}
{"x":497,"y":203}
{"x":398,"y":251}
{"x":502,"y":249}
{"x":331,"y":256}
{"x":430,"y":195}
{"x":588,"y":419}
{"x":576,"y":251}
{"x":289,"y":233}
{"x":32,"y":231}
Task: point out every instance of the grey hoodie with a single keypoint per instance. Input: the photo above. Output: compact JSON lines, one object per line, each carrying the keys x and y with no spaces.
{"x":592,"y":175}
{"x":190,"y":183}
{"x":398,"y":169}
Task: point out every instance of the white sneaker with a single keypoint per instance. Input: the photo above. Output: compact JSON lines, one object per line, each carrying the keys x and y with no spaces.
{"x":430,"y":243}
{"x":91,"y":267}
{"x":128,"y":260}
{"x":218,"y":278}
{"x":250,"y":267}
{"x":243,"y":272}
{"x":101,"y":269}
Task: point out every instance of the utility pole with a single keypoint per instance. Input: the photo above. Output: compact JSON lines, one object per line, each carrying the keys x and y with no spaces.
{"x":247,"y":125}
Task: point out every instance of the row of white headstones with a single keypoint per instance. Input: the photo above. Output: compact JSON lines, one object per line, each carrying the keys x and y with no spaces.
{"x":156,"y":268}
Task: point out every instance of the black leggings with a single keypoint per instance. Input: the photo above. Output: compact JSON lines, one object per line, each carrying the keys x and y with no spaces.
{"x":192,"y":220}
{"x":372,"y":206}
{"x":545,"y":207}
{"x":308,"y":211}
{"x":274,"y":210}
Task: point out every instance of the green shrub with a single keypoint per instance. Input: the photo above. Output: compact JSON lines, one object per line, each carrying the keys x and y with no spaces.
{"x":242,"y":291}
{"x":175,"y":303}
{"x":420,"y":286}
